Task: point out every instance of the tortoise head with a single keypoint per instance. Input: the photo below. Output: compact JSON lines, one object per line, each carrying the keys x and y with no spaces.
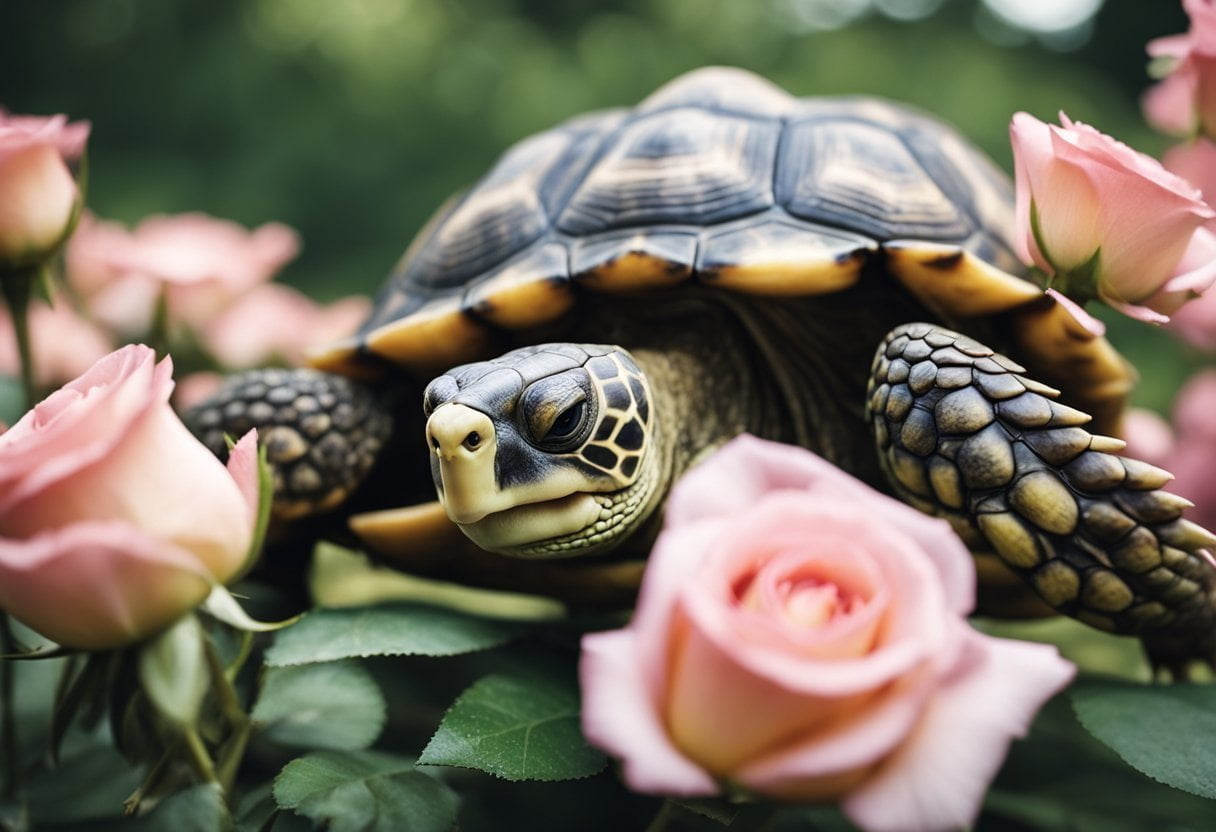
{"x":546,"y":451}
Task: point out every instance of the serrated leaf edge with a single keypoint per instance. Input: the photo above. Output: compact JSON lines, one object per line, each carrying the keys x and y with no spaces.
{"x":1072,"y":701}
{"x":459,"y":701}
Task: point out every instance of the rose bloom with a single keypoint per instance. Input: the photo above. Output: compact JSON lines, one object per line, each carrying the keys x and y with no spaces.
{"x":1195,"y":161}
{"x":276,"y":323}
{"x":1185,"y":101}
{"x":1195,"y":321}
{"x":201,"y":264}
{"x":1101,"y":205}
{"x":114,"y":520}
{"x":64,"y":344}
{"x":38,"y":194}
{"x":1187,"y":447}
{"x":803,"y":637}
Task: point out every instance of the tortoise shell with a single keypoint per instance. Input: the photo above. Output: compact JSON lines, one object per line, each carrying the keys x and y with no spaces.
{"x":724,"y":179}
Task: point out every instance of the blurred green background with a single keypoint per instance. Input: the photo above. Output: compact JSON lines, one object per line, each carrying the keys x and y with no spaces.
{"x":351,"y":120}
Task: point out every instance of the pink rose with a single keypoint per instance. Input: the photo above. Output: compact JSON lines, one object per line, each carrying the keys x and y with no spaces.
{"x":93,"y":253}
{"x":1104,"y":221}
{"x":200,"y":263}
{"x":277,"y":323}
{"x":195,"y":389}
{"x":38,"y":194}
{"x":1186,"y":99}
{"x":114,"y":520}
{"x":64,"y":344}
{"x":1189,"y":449}
{"x":803,"y":637}
{"x":1195,"y":161}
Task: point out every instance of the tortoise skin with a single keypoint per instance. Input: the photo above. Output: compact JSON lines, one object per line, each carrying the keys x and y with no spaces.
{"x":962,"y":434}
{"x":322,"y":433}
{"x":714,"y":170}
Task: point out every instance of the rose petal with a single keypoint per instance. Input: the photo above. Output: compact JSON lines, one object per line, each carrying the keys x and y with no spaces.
{"x":747,"y":467}
{"x":938,"y":778}
{"x":845,"y":746}
{"x":920,"y":608}
{"x":243,"y":466}
{"x":79,"y":436}
{"x":1148,"y":436}
{"x":98,"y":585}
{"x":619,"y":715}
{"x":1085,"y":321}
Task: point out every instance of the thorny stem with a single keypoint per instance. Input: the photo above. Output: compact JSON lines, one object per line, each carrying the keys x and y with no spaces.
{"x":17,"y":286}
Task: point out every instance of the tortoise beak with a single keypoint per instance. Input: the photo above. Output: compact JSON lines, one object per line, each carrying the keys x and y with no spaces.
{"x":465,"y":443}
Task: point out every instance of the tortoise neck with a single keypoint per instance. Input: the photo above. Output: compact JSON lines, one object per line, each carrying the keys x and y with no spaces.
{"x":709,"y":381}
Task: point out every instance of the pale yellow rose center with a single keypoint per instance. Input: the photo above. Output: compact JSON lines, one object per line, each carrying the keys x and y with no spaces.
{"x":824,"y":605}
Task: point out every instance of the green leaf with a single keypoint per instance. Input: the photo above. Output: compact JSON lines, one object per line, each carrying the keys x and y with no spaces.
{"x":336,"y":705}
{"x":398,"y":629}
{"x":85,"y":787}
{"x":1163,"y":731}
{"x":365,"y":791}
{"x":12,"y":400}
{"x":1061,"y":779}
{"x":173,"y":671}
{"x":716,"y":809}
{"x":197,"y":809}
{"x":256,"y":808}
{"x":520,"y":725}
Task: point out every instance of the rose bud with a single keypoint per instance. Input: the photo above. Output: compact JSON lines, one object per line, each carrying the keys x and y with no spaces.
{"x":38,"y":194}
{"x":114,"y":520}
{"x":1103,"y":221}
{"x":1185,"y":100}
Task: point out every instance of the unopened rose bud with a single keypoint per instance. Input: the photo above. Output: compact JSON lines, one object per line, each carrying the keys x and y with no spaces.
{"x":1103,"y":221}
{"x":38,"y":194}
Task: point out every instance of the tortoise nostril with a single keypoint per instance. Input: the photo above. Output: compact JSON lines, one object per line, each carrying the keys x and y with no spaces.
{"x":472,"y":440}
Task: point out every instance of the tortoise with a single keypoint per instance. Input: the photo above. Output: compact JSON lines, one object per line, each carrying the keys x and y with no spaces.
{"x":723,"y":258}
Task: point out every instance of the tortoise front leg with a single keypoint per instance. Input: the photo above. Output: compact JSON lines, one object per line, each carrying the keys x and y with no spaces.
{"x":322,"y":432}
{"x":964,"y":435}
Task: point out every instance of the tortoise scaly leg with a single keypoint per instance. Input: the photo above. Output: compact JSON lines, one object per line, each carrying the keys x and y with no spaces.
{"x":964,"y":435}
{"x":322,"y":432}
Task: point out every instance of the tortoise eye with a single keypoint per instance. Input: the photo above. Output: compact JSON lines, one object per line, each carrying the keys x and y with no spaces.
{"x":556,"y":412}
{"x":566,"y":424}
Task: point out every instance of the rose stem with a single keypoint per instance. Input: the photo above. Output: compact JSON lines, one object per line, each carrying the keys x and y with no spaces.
{"x":197,"y":755}
{"x":233,"y":751}
{"x":17,"y":293}
{"x":662,"y":818}
{"x":131,"y":805}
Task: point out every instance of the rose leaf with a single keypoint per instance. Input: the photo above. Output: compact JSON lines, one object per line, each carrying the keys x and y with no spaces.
{"x":394,"y":629}
{"x":200,"y":808}
{"x":367,"y":791}
{"x":518,"y":725}
{"x":1163,"y":731}
{"x":336,"y":705}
